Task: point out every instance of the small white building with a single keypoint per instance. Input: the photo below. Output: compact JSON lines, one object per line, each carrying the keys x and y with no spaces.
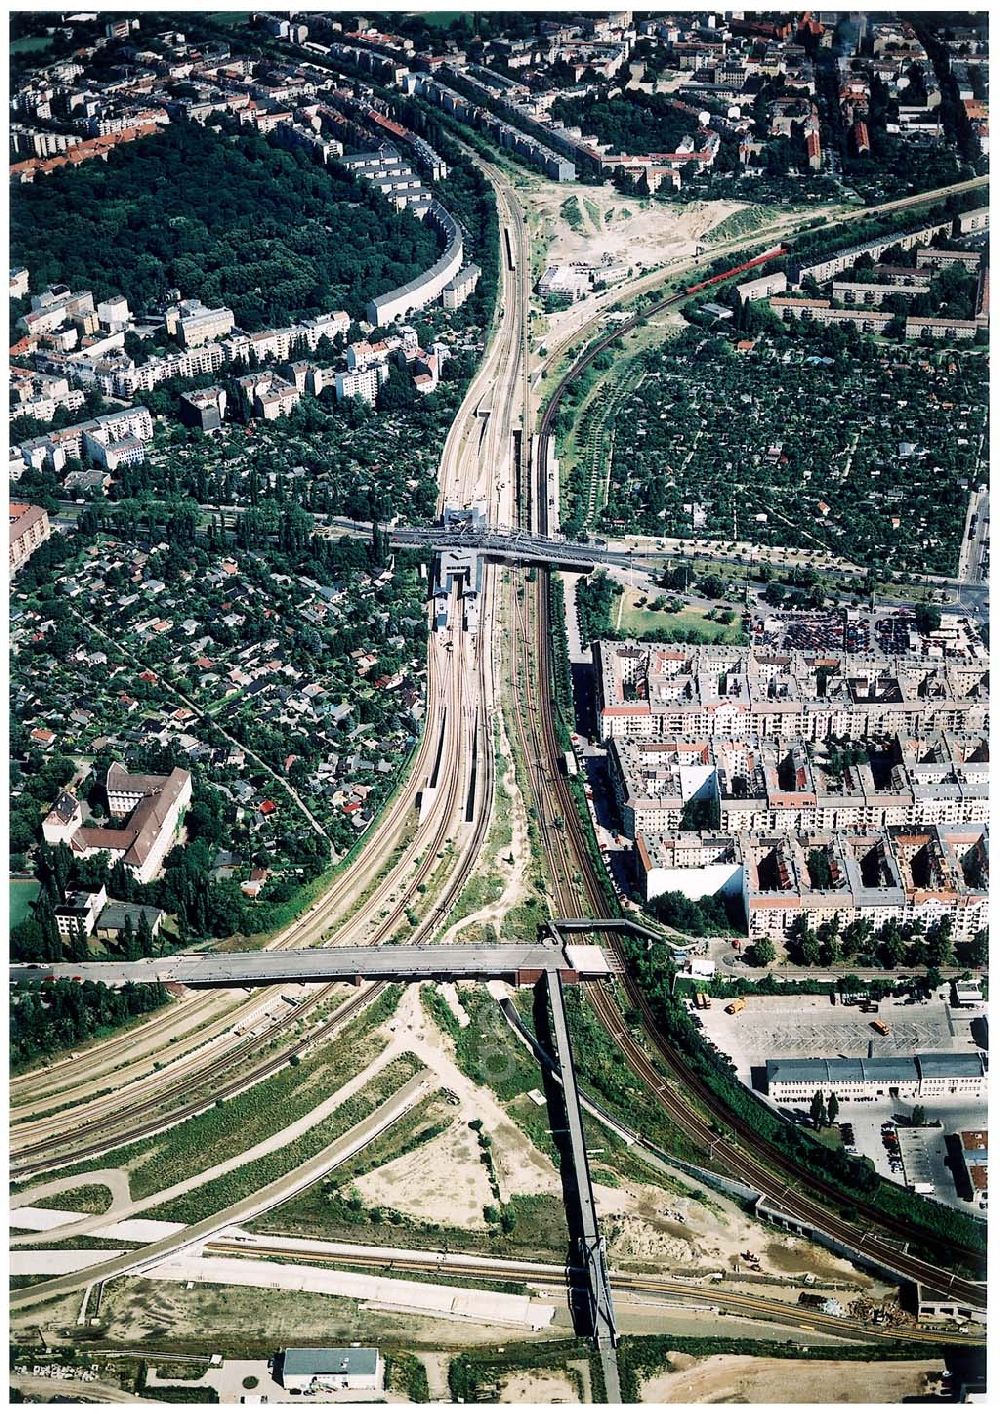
{"x":322,"y":1369}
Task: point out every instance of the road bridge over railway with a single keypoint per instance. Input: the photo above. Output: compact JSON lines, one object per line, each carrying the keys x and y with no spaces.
{"x":513,"y":962}
{"x":522,"y":547}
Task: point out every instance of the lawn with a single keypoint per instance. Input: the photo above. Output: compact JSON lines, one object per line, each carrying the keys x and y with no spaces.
{"x":31,"y":44}
{"x":637,"y":623}
{"x":23,"y":893}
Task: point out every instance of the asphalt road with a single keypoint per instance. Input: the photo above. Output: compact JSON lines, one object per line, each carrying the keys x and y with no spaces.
{"x":259,"y":1202}
{"x":257,"y":969}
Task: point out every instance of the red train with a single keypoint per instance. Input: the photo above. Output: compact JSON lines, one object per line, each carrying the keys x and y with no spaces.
{"x":738,"y":269}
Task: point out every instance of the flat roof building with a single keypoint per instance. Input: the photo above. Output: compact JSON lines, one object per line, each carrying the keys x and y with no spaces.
{"x":317,"y":1369}
{"x":931,"y":1075}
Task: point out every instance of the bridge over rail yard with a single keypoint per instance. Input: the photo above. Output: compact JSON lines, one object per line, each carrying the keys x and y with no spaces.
{"x":520,"y":963}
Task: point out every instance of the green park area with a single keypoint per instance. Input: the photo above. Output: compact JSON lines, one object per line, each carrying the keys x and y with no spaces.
{"x":23,"y":893}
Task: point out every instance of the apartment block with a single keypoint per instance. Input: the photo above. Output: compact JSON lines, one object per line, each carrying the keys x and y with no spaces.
{"x":869,"y":321}
{"x":937,"y":259}
{"x":111,"y":439}
{"x":763,"y":286}
{"x":460,"y":287}
{"x":269,"y":395}
{"x":952,"y":329}
{"x":676,"y":692}
{"x":192,"y":323}
{"x":790,"y":785}
{"x":908,"y":874}
{"x":203,"y":408}
{"x":364,"y":383}
{"x":28,"y":527}
{"x":830,"y":265}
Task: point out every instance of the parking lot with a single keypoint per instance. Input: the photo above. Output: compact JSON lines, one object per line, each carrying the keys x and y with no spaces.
{"x":778,"y":1028}
{"x":782,"y":1027}
{"x":920,"y":1154}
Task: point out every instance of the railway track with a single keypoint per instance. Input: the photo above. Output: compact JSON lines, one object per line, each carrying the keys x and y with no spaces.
{"x":33,"y":1160}
{"x":578,"y":887}
{"x":468,"y":743}
{"x":543,"y":1275}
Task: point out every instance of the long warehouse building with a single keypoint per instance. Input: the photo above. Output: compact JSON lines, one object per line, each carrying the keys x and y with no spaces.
{"x":932,"y":1075}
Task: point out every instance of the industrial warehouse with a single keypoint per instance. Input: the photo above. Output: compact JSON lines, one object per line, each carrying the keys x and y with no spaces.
{"x":933,"y":1075}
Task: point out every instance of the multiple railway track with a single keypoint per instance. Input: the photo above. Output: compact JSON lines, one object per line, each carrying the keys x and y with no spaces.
{"x":548,"y":1275}
{"x":578,"y":887}
{"x":99,"y":1135}
{"x":375,"y":901}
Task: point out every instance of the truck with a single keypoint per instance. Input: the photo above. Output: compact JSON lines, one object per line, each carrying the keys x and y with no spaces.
{"x":703,"y":1001}
{"x":880,"y":1027}
{"x":736,"y":1006}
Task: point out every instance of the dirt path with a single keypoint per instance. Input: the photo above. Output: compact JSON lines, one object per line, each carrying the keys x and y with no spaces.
{"x":519,"y":848}
{"x":436,"y":1365}
{"x":266,"y":1146}
{"x":115,"y":1180}
{"x":745,"y":1379}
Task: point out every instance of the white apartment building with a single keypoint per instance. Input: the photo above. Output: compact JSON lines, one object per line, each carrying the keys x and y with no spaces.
{"x":364,"y":383}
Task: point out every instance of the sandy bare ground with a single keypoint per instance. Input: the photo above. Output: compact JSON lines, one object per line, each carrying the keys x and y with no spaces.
{"x":445,"y":1181}
{"x":140,"y":1309}
{"x":745,"y":1379}
{"x":517,"y":848}
{"x":541,"y":1387}
{"x":643,"y":1229}
{"x":640,"y":231}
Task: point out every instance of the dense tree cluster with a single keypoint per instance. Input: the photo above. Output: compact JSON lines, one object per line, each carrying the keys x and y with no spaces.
{"x":595,"y":597}
{"x":894,"y":946}
{"x":854,"y":408}
{"x":261,"y":229}
{"x":54,"y":1016}
{"x":632,"y":121}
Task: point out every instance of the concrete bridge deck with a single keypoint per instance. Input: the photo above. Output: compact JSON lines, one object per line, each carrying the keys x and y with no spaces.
{"x":514,"y":962}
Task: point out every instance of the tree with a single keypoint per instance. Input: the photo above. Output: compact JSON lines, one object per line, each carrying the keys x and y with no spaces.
{"x":976,"y":951}
{"x":832,"y":1109}
{"x":761,"y":953}
{"x":919,"y":1116}
{"x":817,"y":1110}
